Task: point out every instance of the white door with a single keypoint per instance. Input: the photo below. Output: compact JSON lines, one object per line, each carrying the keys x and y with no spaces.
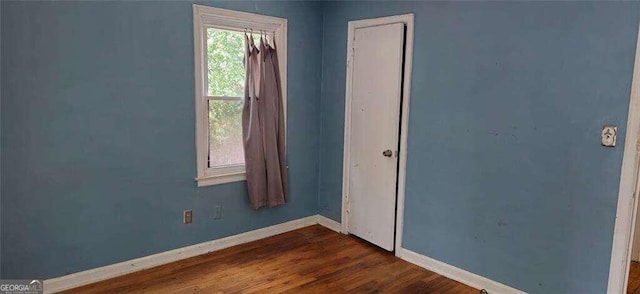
{"x":376,"y":83}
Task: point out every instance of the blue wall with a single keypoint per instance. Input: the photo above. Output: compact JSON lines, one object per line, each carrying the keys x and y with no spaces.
{"x":98,"y":154}
{"x":505,"y":176}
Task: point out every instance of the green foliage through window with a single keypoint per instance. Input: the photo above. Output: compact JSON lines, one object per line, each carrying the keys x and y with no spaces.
{"x":225,"y":63}
{"x":225,"y":77}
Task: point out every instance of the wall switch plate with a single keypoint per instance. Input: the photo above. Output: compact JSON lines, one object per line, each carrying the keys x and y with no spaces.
{"x":217,"y":214}
{"x":609,"y":136}
{"x":187,"y":216}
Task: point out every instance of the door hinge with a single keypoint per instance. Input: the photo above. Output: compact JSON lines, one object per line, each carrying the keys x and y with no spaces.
{"x":353,"y":45}
{"x":346,"y":203}
{"x":350,"y":58}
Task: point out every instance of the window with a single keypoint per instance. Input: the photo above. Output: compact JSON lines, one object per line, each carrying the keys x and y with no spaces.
{"x":219,"y":87}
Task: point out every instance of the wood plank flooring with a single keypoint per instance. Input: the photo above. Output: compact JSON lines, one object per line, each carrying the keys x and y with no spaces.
{"x":634,"y":278}
{"x":308,"y":260}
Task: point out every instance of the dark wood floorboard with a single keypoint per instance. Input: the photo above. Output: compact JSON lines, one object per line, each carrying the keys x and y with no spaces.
{"x":634,"y":278}
{"x":308,"y":260}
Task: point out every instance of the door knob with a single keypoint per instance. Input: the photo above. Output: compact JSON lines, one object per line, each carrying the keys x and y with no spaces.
{"x":387,"y":153}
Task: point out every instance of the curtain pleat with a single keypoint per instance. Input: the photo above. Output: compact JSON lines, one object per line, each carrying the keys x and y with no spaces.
{"x":263,"y":127}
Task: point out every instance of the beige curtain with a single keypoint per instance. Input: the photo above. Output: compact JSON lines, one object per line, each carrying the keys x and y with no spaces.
{"x":263,"y":126}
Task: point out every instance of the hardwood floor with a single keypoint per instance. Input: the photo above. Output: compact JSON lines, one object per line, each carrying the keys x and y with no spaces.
{"x":308,"y":260}
{"x":634,"y":278}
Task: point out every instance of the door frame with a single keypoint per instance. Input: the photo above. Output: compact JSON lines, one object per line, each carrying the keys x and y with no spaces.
{"x":407,"y":20}
{"x":626,"y":210}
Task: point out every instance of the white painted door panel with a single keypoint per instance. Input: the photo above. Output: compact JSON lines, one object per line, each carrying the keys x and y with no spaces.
{"x":376,"y":83}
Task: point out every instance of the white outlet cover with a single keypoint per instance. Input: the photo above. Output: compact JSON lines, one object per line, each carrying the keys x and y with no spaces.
{"x":609,"y":136}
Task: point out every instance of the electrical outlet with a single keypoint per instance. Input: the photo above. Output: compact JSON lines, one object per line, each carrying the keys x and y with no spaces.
{"x":217,"y":214}
{"x":609,"y":134}
{"x":187,"y":216}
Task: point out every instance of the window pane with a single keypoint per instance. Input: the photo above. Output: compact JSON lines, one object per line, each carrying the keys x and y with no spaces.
{"x":225,"y":133}
{"x":225,"y":58}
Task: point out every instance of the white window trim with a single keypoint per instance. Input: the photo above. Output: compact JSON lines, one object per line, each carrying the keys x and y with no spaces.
{"x":211,"y":17}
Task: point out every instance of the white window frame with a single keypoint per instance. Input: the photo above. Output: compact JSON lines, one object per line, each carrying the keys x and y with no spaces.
{"x":210,"y":17}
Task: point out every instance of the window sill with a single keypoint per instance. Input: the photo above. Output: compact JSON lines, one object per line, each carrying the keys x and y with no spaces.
{"x":211,"y":180}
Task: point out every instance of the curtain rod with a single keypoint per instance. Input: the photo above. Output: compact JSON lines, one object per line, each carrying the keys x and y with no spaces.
{"x":256,"y":29}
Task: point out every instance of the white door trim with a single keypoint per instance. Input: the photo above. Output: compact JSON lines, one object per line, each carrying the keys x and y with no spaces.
{"x":626,"y":211}
{"x":407,"y":19}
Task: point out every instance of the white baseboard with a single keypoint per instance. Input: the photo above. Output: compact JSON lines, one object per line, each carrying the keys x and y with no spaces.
{"x":329,"y":223}
{"x":110,"y":271}
{"x":455,"y":273}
